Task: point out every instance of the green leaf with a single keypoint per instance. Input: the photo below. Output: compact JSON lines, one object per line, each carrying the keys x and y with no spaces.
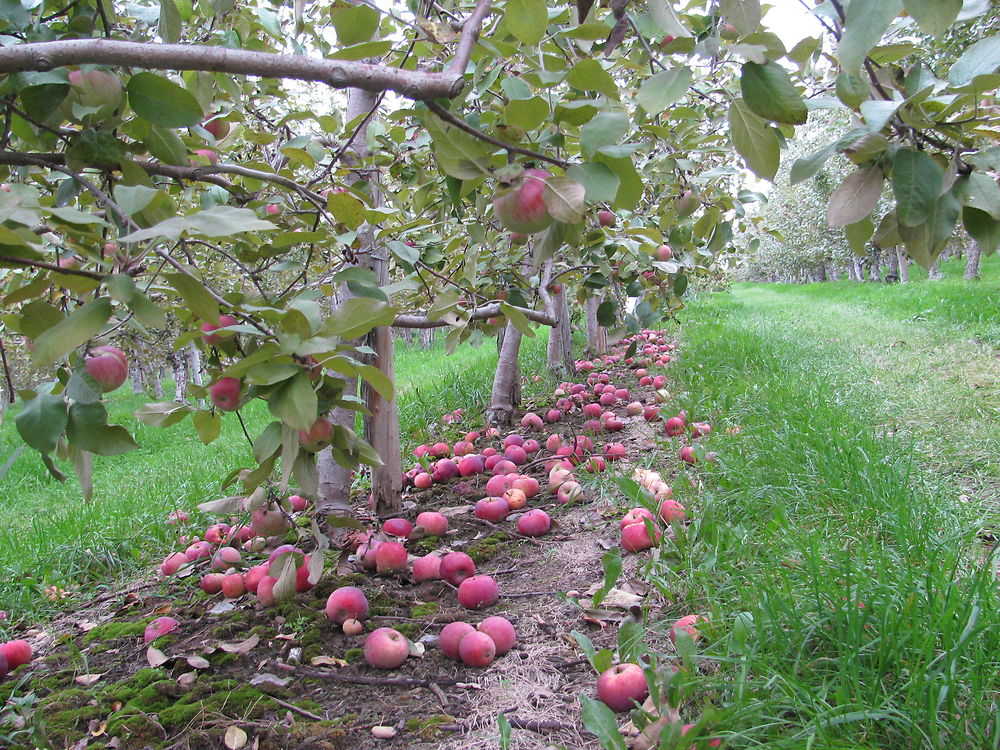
{"x":982,"y":58}
{"x":268,"y":442}
{"x":196,"y":297}
{"x":564,"y":199}
{"x":357,"y":316}
{"x":858,"y":235}
{"x":925,"y":241}
{"x":503,"y":723}
{"x":162,"y":414}
{"x":978,"y":190}
{"x":630,"y":187}
{"x":916,"y":182}
{"x":208,"y":425}
{"x":83,"y":465}
{"x":769,"y":92}
{"x":294,"y":402}
{"x":602,"y":723}
{"x":590,"y":75}
{"x":517,"y":319}
{"x":80,"y":326}
{"x":83,"y":388}
{"x":664,"y":16}
{"x":42,"y":420}
{"x":604,"y":129}
{"x":526,"y":20}
{"x":867,"y":20}
{"x":459,"y":154}
{"x":754,"y":140}
{"x":377,"y":380}
{"x":169,"y":25}
{"x":162,"y":102}
{"x":808,"y":166}
{"x":878,"y":113}
{"x":165,"y":144}
{"x":14,"y":13}
{"x":664,"y":89}
{"x":218,"y":221}
{"x":346,"y":209}
{"x":122,"y":288}
{"x":983,"y":228}
{"x":527,"y":114}
{"x":612,"y":564}
{"x":855,"y":197}
{"x":599,"y":182}
{"x":852,"y":89}
{"x":743,"y":14}
{"x":355,"y":24}
{"x":88,"y":430}
{"x":934,"y":17}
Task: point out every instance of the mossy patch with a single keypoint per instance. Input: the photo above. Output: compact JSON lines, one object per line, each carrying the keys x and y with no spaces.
{"x":486,"y":548}
{"x":115,"y":629}
{"x":424,"y":609}
{"x":354,"y":655}
{"x":425,"y":546}
{"x":429,"y":727}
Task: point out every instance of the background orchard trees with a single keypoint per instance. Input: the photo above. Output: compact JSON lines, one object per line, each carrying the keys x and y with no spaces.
{"x":289,"y":182}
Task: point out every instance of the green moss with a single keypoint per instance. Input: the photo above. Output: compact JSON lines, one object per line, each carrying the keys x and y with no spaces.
{"x":409,"y":629}
{"x":425,"y":546}
{"x":487,"y":547}
{"x":380,"y":603}
{"x":424,"y":609}
{"x":318,"y":735}
{"x":311,"y":652}
{"x":429,"y":726}
{"x":112,"y":630}
{"x":354,"y":655}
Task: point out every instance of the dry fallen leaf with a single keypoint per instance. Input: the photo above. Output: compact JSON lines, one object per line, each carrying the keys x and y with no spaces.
{"x":266,"y":678}
{"x":327,"y":661}
{"x":243,"y":647}
{"x":416,"y":649}
{"x":198,"y":662}
{"x":222,"y":607}
{"x":235,"y":738}
{"x":187,"y":679}
{"x":155,"y":657}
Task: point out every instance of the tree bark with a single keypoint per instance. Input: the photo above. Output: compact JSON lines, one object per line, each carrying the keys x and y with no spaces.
{"x":179,"y":366}
{"x":972,"y":262}
{"x":876,"y":269}
{"x":904,"y":265}
{"x":137,"y":372}
{"x":194,"y":364}
{"x":597,"y":339}
{"x":934,"y":272}
{"x":153,"y":379}
{"x":505,"y":383}
{"x":426,"y":338}
{"x":559,"y":357}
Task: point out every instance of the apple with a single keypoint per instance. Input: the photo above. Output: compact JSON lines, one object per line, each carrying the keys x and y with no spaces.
{"x":302,"y":576}
{"x":218,"y":127}
{"x":423,"y":480}
{"x":531,"y":421}
{"x":214,"y":339}
{"x":501,"y":631}
{"x":558,"y":477}
{"x":477,"y":649}
{"x":172,"y":563}
{"x":505,"y":466}
{"x":253,"y":577}
{"x":157,"y":628}
{"x":233,"y":585}
{"x":531,"y":447}
{"x":477,"y":592}
{"x":281,"y":550}
{"x":687,"y":455}
{"x":451,"y":636}
{"x":493,"y":509}
{"x":645,"y":380}
{"x":635,"y":537}
{"x":568,"y":492}
{"x":622,"y":686}
{"x":521,"y":207}
{"x":712,"y":743}
{"x":664,"y":253}
{"x":456,"y":567}
{"x":699,"y":429}
{"x":397,"y":527}
{"x":527,"y":485}
{"x":198,"y":551}
{"x":298,"y":503}
{"x":498,"y":484}
{"x":687,"y":624}
{"x":273,"y":209}
{"x":108,"y":366}
{"x":674,"y":426}
{"x":386,"y":648}
{"x":346,"y":603}
{"x":534,"y":523}
{"x":427,"y":568}
{"x":606,"y":218}
{"x":440,"y":450}
{"x":671,"y":510}
{"x":268,"y":522}
{"x":634,"y":409}
{"x":225,"y":394}
{"x":515,"y":454}
{"x":595,"y":465}
{"x":100,"y":90}
{"x":651,"y":413}
{"x":516,"y":238}
{"x":265,"y":591}
{"x":435,"y":524}
{"x":728,"y":32}
{"x":515,"y":498}
{"x":444,"y":469}
{"x":16,"y":653}
{"x":352,"y":627}
{"x":225,"y":558}
{"x":390,"y":557}
{"x":636,"y":515}
{"x":317,"y":437}
{"x":211,"y":583}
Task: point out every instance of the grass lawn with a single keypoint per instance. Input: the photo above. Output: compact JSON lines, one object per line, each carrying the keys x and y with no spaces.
{"x":838,"y":546}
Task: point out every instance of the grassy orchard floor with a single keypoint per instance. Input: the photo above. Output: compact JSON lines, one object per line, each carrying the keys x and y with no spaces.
{"x":852,"y":515}
{"x":49,"y":536}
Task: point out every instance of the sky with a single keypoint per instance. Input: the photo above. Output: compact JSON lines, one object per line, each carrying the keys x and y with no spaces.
{"x":791,"y":22}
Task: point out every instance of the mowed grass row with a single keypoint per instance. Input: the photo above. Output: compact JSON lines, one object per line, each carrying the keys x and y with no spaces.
{"x":50,"y":537}
{"x":853,"y":604}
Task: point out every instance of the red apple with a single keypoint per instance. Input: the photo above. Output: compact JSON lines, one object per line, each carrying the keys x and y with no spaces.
{"x":712,"y":743}
{"x":172,"y":563}
{"x":273,"y":209}
{"x":225,"y":394}
{"x":427,"y":568}
{"x":233,"y":586}
{"x":664,"y":253}
{"x":390,"y":557}
{"x":451,"y":636}
{"x":317,"y":437}
{"x":198,"y":551}
{"x":687,"y":624}
{"x":456,"y":567}
{"x":386,"y":648}
{"x":534,"y":523}
{"x":636,"y":515}
{"x":477,"y":649}
{"x":435,"y":524}
{"x":622,"y":686}
{"x":211,"y":583}
{"x":635,"y":537}
{"x":423,"y":480}
{"x":268,"y":522}
{"x":671,"y":510}
{"x":521,"y":207}
{"x":687,"y":455}
{"x":346,"y":603}
{"x":501,"y":631}
{"x":108,"y":366}
{"x":494,"y":509}
{"x":674,"y":426}
{"x":253,"y":577}
{"x":265,"y":591}
{"x":214,"y":339}
{"x":527,"y":485}
{"x":398,"y":527}
{"x":477,"y":592}
{"x":607,"y":218}
{"x":226,"y":558}
{"x":157,"y":628}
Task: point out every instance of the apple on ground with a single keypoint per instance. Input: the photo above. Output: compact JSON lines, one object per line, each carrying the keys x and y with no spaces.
{"x":435,"y":524}
{"x":477,"y":649}
{"x":457,"y":567}
{"x":451,"y":636}
{"x":159,"y":627}
{"x":636,"y":537}
{"x":534,"y":523}
{"x":501,"y":631}
{"x":427,"y":568}
{"x":390,"y":557}
{"x":386,"y":648}
{"x":478,"y":591}
{"x":622,"y":686}
{"x":346,"y":603}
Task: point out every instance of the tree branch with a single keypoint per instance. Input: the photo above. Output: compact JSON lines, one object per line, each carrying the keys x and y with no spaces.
{"x":51,"y":267}
{"x":461,"y":124}
{"x":471,"y":27}
{"x":480,"y":313}
{"x":339,"y":74}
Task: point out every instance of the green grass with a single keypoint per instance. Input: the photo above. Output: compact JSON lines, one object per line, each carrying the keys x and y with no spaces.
{"x":833,"y":526}
{"x":50,"y":536}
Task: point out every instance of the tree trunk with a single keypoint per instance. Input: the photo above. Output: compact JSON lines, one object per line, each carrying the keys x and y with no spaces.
{"x":822,"y":272}
{"x":194,"y":364}
{"x":903,"y":261}
{"x":559,"y":357}
{"x":834,"y":273}
{"x":893,"y":267}
{"x":597,"y":338}
{"x":876,"y":270}
{"x":972,"y":262}
{"x":179,"y":367}
{"x":934,"y":272}
{"x":506,"y":381}
{"x":155,"y":382}
{"x":426,"y":338}
{"x":138,"y":373}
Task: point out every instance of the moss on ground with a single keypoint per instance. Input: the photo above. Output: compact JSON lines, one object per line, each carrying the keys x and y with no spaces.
{"x":486,"y":548}
{"x":116,"y":629}
{"x":429,"y":727}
